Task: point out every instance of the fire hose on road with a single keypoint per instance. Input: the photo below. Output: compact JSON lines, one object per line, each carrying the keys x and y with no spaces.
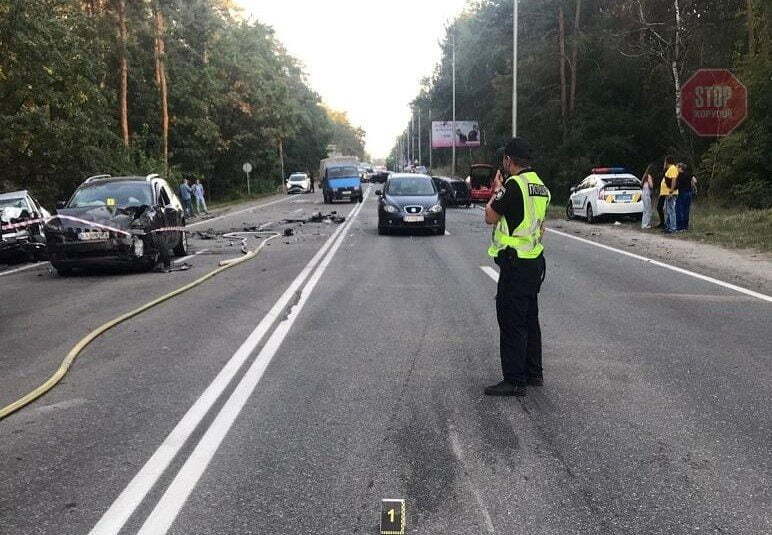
{"x":90,"y":337}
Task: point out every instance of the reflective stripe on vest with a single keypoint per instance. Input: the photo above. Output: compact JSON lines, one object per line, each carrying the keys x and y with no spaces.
{"x":526,"y":238}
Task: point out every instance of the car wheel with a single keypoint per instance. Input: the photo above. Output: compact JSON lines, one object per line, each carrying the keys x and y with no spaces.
{"x":182,"y":246}
{"x":569,"y":210}
{"x":590,"y":216}
{"x":63,"y":271}
{"x":359,"y":199}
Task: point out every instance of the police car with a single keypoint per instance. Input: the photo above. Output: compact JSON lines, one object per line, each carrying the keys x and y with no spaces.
{"x":608,"y":191}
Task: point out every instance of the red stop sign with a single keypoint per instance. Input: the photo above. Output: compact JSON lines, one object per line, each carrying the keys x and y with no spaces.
{"x":713,"y":102}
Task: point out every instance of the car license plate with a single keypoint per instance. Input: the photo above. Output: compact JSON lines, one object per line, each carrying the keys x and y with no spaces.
{"x":96,"y":235}
{"x":624,"y":198}
{"x":346,"y":193}
{"x":414,"y":218}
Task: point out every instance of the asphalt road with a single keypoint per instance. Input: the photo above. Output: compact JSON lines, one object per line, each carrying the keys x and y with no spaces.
{"x":292,"y":393}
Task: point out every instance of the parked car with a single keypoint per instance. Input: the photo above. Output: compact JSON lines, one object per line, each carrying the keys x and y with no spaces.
{"x":410,"y":201}
{"x":117,"y":221}
{"x":21,"y":227}
{"x":606,"y":191}
{"x":458,"y":191}
{"x":480,"y":181}
{"x":298,"y":183}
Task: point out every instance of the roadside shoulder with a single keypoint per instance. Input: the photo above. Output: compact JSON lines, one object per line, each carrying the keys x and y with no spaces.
{"x":743,"y":267}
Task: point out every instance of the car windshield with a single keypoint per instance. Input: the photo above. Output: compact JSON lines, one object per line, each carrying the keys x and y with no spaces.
{"x":342,"y":172}
{"x":125,"y":194}
{"x":13,"y":203}
{"x":408,"y":186}
{"x":630,"y":183}
{"x":297,"y":178}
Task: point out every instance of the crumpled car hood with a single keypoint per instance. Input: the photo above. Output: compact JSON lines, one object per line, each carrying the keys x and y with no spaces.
{"x":102,"y":215}
{"x":9,"y":213}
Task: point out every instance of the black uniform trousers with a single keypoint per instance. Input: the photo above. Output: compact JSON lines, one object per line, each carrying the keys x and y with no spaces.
{"x":517,"y":309}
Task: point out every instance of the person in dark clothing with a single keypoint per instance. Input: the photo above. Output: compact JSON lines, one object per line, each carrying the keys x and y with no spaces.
{"x":685,"y":182}
{"x":518,"y":209}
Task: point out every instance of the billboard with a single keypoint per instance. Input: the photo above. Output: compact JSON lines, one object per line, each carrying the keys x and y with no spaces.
{"x":467,"y":134}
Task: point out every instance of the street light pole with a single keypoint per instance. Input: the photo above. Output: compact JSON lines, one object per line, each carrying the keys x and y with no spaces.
{"x":453,"y":128}
{"x":514,"y":69}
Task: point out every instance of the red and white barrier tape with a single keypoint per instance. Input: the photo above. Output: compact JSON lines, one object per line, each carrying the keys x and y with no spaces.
{"x":84,"y":222}
{"x":12,"y":226}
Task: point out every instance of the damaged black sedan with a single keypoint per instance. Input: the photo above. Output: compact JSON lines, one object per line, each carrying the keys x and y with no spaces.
{"x":128,"y":221}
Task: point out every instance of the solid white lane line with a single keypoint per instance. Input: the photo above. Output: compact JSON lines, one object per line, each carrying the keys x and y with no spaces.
{"x":492,"y":273}
{"x":228,"y":214}
{"x":170,"y":504}
{"x":296,"y":211}
{"x":127,"y":502}
{"x":25,"y":268}
{"x":683,"y":271}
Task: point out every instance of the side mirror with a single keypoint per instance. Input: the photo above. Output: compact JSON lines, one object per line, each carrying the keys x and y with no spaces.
{"x":572,"y":189}
{"x":379,"y":193}
{"x":60,"y":204}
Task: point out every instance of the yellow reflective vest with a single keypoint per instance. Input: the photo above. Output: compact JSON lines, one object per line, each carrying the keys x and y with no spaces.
{"x":526,"y":238}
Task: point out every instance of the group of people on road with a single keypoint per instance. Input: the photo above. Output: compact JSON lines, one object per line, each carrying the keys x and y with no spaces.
{"x":190,"y":193}
{"x":673,"y":192}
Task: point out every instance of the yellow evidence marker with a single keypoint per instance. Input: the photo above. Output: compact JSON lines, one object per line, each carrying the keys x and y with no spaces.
{"x":392,"y":517}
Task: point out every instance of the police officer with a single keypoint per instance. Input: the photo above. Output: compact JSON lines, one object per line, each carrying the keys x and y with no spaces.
{"x":517,"y":210}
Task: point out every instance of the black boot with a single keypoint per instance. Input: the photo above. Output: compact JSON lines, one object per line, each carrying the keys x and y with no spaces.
{"x":505,"y":388}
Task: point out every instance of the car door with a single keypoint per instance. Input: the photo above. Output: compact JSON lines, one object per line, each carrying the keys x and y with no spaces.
{"x":577,"y":198}
{"x":174,"y":215}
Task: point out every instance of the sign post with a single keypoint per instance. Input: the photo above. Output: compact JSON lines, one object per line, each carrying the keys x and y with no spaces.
{"x":713,"y":102}
{"x":247,"y":167}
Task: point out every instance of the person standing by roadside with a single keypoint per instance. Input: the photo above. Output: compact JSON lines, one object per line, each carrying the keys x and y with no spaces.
{"x":663,"y":194}
{"x":647,"y":190}
{"x":685,"y":183}
{"x":198,"y":193}
{"x":517,"y":210}
{"x":185,"y":197}
{"x":669,"y":190}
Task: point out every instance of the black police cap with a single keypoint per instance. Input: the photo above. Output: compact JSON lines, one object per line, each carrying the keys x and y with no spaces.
{"x":518,"y":147}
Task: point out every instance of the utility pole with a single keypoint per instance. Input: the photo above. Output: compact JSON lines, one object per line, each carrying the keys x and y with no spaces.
{"x":410,"y":138}
{"x":430,"y":138}
{"x":514,"y":69}
{"x":420,"y":160}
{"x":453,"y":133}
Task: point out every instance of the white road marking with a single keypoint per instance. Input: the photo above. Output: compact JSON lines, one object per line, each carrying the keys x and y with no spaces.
{"x":228,"y":214}
{"x":25,"y":268}
{"x":296,"y":211}
{"x":124,"y":506}
{"x":492,"y":273}
{"x":184,"y":258}
{"x":170,"y":504}
{"x":683,"y":271}
{"x":459,"y":453}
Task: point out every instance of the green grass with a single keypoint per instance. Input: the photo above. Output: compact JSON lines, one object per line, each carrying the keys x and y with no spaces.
{"x":734,"y":227}
{"x":731,"y":227}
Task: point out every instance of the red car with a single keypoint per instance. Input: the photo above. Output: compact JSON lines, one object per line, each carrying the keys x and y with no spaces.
{"x":480,"y":180}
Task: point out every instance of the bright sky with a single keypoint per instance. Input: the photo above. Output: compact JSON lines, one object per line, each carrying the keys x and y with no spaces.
{"x":364,"y":57}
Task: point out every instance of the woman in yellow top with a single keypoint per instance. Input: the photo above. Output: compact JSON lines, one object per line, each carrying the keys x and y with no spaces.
{"x":668,"y":192}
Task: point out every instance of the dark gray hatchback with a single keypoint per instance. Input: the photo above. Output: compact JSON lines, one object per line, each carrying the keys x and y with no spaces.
{"x":410,"y":201}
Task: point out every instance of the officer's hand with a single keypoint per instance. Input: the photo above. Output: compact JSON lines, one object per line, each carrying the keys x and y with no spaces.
{"x":498,"y":182}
